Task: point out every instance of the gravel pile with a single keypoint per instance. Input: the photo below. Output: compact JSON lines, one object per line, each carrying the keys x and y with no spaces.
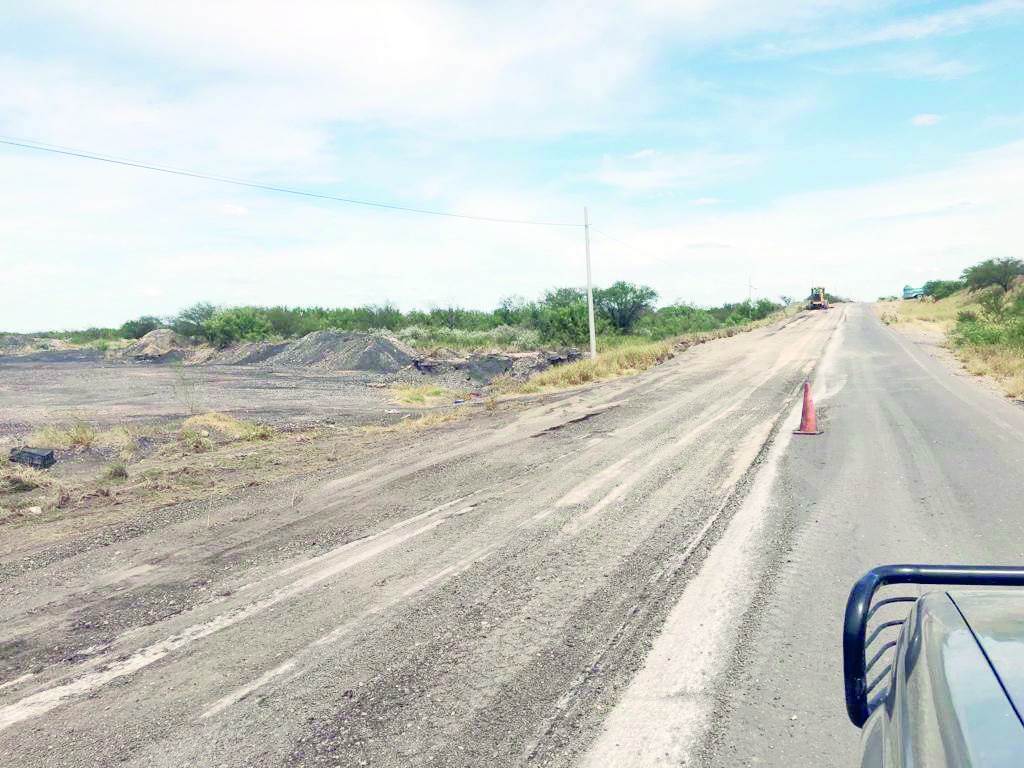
{"x":322,"y":350}
{"x":161,"y":344}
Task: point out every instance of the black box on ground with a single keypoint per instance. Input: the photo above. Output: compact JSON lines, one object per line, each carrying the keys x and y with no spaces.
{"x":39,"y":458}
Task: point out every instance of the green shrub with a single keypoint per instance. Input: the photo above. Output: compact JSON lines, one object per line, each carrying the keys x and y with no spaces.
{"x":941,"y":289}
{"x":238,"y":324}
{"x":565,"y":324}
{"x":979,"y":333}
{"x":502,"y":337}
{"x":136,"y":329}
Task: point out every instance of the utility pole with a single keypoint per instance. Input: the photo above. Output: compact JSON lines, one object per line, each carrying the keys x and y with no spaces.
{"x":590,"y":286}
{"x":750,"y":290}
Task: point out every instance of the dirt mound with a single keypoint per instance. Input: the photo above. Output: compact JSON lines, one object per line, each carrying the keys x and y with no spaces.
{"x":248,"y":353}
{"x":324,"y":350}
{"x":483,"y":367}
{"x":347,"y":351}
{"x":161,"y":344}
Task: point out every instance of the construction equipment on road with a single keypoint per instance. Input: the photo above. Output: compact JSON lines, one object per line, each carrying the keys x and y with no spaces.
{"x":808,"y":417}
{"x":818,"y":299}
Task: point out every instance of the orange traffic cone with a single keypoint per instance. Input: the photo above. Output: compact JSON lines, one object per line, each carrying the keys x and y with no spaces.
{"x":808,"y":420}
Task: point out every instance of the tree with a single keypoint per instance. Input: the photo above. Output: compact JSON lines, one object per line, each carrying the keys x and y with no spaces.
{"x":624,"y":303}
{"x":136,"y":329}
{"x":237,"y":324}
{"x":940,"y":289}
{"x":191,"y":320}
{"x":1001,"y":272}
{"x":564,"y":297}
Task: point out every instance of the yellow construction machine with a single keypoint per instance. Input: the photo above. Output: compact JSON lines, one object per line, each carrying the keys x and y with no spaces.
{"x":818,"y":299}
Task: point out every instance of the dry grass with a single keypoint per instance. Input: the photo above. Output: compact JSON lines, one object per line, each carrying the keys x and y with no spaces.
{"x":115,"y":471}
{"x":223,"y":457}
{"x":623,"y":356}
{"x":932,"y":315}
{"x":15,"y":478}
{"x":223,"y":426}
{"x":81,"y":434}
{"x":425,"y":395}
{"x":413,"y":424}
{"x":77,"y":434}
{"x":1004,"y":365}
{"x":623,"y":360}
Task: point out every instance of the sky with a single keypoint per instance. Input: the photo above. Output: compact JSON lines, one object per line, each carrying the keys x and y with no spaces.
{"x":722,"y":148}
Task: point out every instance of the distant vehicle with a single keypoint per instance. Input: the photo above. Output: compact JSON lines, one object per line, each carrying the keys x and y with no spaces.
{"x":818,"y":299}
{"x":912,"y":293}
{"x":943,"y":685}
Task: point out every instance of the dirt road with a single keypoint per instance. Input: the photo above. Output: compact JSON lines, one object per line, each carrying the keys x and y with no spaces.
{"x":483,"y":594}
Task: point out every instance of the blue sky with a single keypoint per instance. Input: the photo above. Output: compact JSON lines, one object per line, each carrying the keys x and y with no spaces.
{"x":862,"y":145}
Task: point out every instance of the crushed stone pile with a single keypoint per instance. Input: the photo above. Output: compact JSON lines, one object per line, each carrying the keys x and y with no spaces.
{"x":161,"y":344}
{"x":347,"y":351}
{"x":247,"y":353}
{"x":377,"y":352}
{"x":323,"y":350}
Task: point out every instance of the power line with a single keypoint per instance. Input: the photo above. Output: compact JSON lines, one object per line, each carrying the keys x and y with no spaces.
{"x":39,"y":146}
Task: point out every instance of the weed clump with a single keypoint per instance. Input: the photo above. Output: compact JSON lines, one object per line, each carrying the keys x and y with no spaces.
{"x":116,"y":471}
{"x":424,"y":395}
{"x":78,"y":434}
{"x":227,"y":428}
{"x":194,"y":441}
{"x":18,"y":479}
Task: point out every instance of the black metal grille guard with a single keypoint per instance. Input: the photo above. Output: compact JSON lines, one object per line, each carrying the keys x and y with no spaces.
{"x":859,"y":610}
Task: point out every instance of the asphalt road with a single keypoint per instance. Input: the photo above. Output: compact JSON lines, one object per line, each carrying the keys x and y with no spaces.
{"x":647,"y":572}
{"x":919,"y":462}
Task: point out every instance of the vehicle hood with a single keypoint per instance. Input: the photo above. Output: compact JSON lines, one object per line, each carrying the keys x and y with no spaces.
{"x":996,"y":617}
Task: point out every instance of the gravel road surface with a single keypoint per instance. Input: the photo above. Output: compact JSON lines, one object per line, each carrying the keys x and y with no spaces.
{"x":650,"y":571}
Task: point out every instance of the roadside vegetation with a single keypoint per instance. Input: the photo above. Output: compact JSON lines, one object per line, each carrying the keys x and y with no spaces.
{"x":425,"y":395}
{"x":620,"y":356}
{"x":624,"y":312}
{"x":621,"y":359}
{"x":204,"y":457}
{"x":982,"y":315}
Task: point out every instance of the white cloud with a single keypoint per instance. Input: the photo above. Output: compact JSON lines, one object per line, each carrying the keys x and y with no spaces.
{"x":926,"y":120}
{"x":651,"y":171}
{"x":457,"y":68}
{"x":904,"y":64}
{"x":862,"y":242}
{"x":945,"y":22}
{"x":272,"y":92}
{"x":705,"y":201}
{"x":109,"y":251}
